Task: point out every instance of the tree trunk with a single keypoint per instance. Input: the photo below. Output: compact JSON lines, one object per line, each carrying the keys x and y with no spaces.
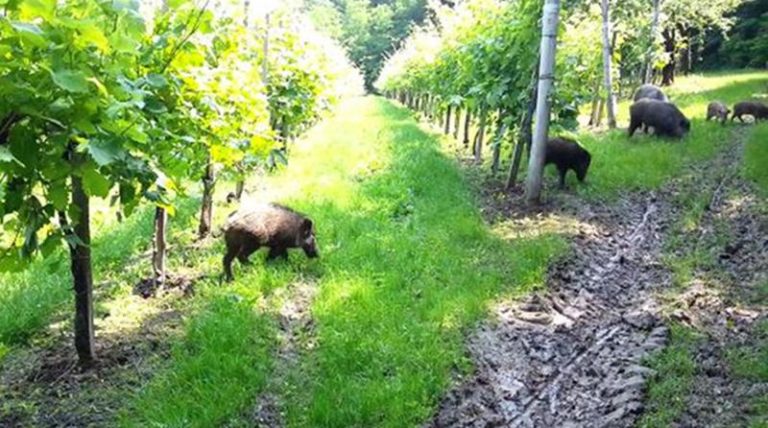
{"x":550,"y":15}
{"x":480,"y":136}
{"x":80,"y":256}
{"x":526,"y":135}
{"x":448,"y":121}
{"x":607,"y":64}
{"x":648,"y":78}
{"x":501,"y":130}
{"x":265,"y":61}
{"x":595,"y":104}
{"x":206,"y":212}
{"x":159,"y":248}
{"x":467,"y":120}
{"x":246,"y":12}
{"x":457,"y":123}
{"x":284,"y":134}
{"x":668,"y":72}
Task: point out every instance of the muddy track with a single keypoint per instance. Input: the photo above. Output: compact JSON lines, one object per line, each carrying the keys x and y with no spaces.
{"x":572,"y":355}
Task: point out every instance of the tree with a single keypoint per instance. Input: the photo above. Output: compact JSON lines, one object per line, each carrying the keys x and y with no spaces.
{"x":550,"y":15}
{"x":653,"y":36}
{"x":75,"y":125}
{"x":607,"y":64}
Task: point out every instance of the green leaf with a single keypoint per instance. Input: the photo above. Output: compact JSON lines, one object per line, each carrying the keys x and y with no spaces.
{"x":70,"y":80}
{"x":58,"y":194}
{"x":95,"y":184}
{"x":123,"y":44}
{"x":31,"y":9}
{"x":30,"y":33}
{"x":51,"y":243}
{"x":104,"y":153}
{"x":7,"y":156}
{"x":92,"y":35}
{"x":157,"y":81}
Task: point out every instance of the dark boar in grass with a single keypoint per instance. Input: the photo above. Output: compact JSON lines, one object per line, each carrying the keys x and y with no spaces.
{"x":567,"y":154}
{"x":268,"y":225}
{"x":651,"y":92}
{"x":665,"y":118}
{"x":717,"y":110}
{"x":750,"y":108}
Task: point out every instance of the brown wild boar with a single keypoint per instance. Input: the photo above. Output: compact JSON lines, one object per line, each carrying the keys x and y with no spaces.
{"x":267,"y":225}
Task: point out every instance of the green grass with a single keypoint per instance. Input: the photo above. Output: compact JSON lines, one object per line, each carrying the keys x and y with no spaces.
{"x":750,"y":362}
{"x":406,"y":266}
{"x":621,"y":164}
{"x":221,"y":362}
{"x":669,"y":387}
{"x":410,"y":266}
{"x":756,"y":158}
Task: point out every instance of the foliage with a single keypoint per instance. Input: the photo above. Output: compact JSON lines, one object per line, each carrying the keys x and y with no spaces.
{"x":369,"y":29}
{"x":747,"y":44}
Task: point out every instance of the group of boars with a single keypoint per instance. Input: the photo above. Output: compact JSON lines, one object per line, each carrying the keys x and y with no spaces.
{"x":280,"y":228}
{"x":651,"y":110}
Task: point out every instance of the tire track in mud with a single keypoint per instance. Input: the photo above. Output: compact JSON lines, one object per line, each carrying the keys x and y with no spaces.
{"x":572,"y":356}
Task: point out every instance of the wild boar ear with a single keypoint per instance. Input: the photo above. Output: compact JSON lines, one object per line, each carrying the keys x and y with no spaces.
{"x":306,"y":227}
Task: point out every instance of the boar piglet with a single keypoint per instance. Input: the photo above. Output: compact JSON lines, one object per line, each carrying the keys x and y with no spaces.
{"x":717,"y":110}
{"x":267,"y":225}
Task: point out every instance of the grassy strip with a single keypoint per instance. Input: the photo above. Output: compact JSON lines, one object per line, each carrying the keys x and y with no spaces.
{"x":756,"y":158}
{"x":407,"y":266}
{"x":220,"y":364}
{"x":675,"y":368}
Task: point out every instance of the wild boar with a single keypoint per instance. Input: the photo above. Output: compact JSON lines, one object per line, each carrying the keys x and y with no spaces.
{"x":567,"y":154}
{"x":665,"y":118}
{"x":267,"y":225}
{"x":755,"y":109}
{"x":651,"y":92}
{"x":717,"y":110}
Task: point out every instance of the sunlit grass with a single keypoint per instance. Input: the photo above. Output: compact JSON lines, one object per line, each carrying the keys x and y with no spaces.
{"x":406,"y":265}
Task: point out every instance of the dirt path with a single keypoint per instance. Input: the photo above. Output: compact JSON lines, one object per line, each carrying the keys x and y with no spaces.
{"x":573,"y":355}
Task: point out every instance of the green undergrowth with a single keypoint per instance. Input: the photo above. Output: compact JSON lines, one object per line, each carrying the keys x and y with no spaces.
{"x":675,"y":369}
{"x":644,"y":162}
{"x":31,"y":299}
